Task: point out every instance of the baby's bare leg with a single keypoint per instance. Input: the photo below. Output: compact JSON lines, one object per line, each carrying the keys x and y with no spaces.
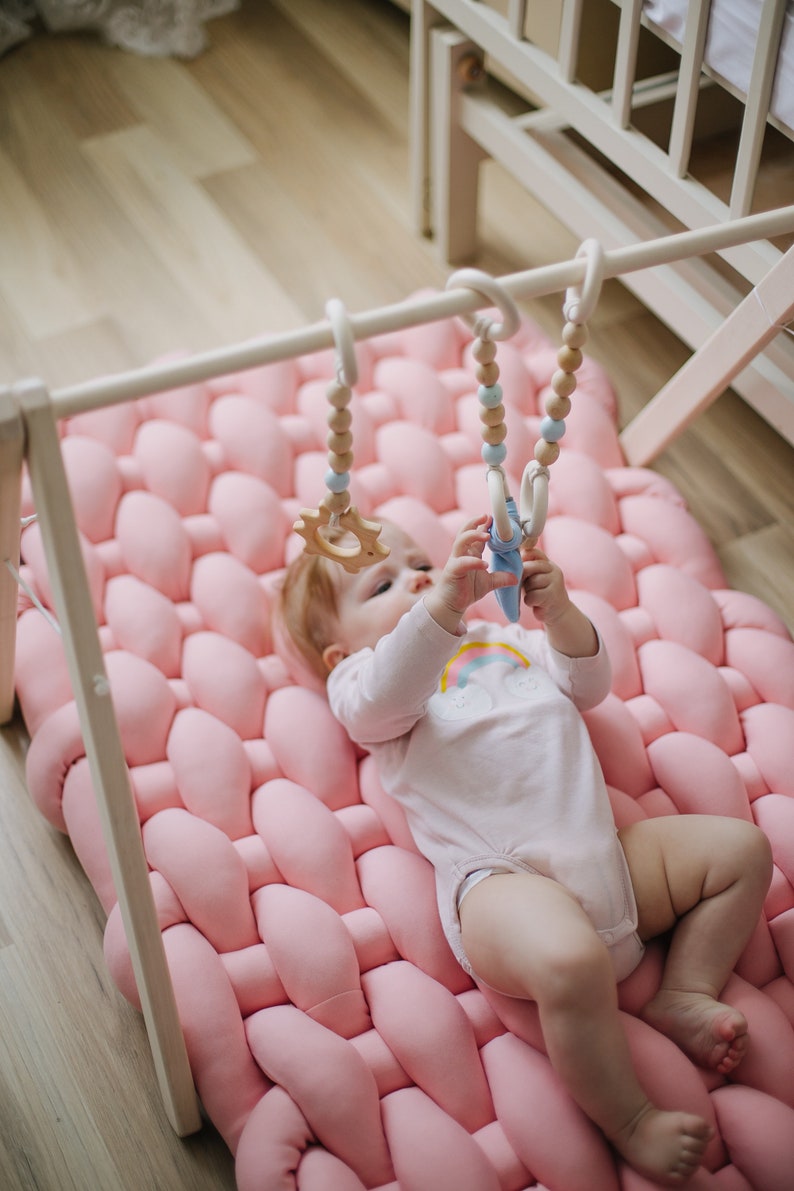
{"x":526,"y":936}
{"x":706,"y":876}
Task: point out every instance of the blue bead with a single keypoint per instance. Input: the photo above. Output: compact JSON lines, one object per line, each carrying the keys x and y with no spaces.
{"x":552,"y":430}
{"x":490,"y":395}
{"x":336,"y":481}
{"x":494,"y":455}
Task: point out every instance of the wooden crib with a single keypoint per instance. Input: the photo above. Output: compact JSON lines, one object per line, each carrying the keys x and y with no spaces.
{"x":608,"y":114}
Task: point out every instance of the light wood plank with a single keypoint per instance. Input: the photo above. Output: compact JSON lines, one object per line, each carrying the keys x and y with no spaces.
{"x":196,"y":247}
{"x":74,"y":76}
{"x":762,"y":563}
{"x":366,"y":48}
{"x":38,"y":275}
{"x":200,"y":138}
{"x":118,"y":266}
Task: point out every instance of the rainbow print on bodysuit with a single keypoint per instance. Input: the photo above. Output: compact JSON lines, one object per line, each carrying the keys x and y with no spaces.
{"x":474,"y":654}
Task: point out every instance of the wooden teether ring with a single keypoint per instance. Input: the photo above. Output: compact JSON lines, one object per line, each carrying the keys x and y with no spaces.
{"x":368,"y":549}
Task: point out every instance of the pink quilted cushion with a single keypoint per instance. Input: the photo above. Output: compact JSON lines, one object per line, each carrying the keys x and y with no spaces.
{"x":334,"y":1041}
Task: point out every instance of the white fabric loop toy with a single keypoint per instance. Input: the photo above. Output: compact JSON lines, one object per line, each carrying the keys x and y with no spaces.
{"x":335,"y":512}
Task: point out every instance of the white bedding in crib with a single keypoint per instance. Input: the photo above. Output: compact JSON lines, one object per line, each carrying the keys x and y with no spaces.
{"x":730,"y":44}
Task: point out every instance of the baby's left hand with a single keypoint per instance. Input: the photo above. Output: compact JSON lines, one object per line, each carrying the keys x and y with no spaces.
{"x":567,"y":628}
{"x":543,"y":587}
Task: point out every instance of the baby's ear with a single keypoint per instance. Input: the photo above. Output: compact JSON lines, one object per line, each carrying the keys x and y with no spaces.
{"x":333,"y":655}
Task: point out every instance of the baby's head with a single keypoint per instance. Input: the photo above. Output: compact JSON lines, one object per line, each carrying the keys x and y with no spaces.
{"x":325,"y":614}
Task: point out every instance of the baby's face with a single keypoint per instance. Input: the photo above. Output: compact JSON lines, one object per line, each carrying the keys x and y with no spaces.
{"x":371,"y":602}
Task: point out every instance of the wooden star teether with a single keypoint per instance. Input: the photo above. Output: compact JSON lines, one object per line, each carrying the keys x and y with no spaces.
{"x":368,"y":550}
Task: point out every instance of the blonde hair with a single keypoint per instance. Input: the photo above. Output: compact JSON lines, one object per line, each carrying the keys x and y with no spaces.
{"x":308,"y":610}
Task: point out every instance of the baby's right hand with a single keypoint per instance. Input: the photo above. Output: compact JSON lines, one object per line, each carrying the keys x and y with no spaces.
{"x":465,"y":577}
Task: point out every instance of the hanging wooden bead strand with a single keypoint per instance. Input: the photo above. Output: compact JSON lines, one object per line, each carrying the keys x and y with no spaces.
{"x":335,"y":514}
{"x":505,"y":533}
{"x":340,"y":447}
{"x":563,"y":384}
{"x":578,"y":307}
{"x":492,"y":410}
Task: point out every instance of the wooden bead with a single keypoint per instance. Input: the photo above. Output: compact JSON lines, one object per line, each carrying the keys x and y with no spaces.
{"x":337,"y":502}
{"x":557,"y":407}
{"x":339,"y":420}
{"x":487,"y":374}
{"x":574,"y":334}
{"x":563,"y":383}
{"x":546,"y":452}
{"x":483,"y":350}
{"x":569,"y":359}
{"x":494,"y":435}
{"x":492,"y":417}
{"x":340,"y":463}
{"x":338,"y":395}
{"x":340,"y":444}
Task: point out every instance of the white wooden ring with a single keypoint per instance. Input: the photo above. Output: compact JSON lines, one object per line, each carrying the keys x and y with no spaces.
{"x":482,"y":283}
{"x":534,"y":499}
{"x":347,"y":364}
{"x":580,"y":300}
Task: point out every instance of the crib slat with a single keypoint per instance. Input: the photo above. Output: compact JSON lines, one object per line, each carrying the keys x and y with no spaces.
{"x":686,"y":99}
{"x":757,"y":106}
{"x":516,"y":17}
{"x":568,"y":50}
{"x":626,"y":61}
{"x":120,"y":826}
{"x":11,"y":440}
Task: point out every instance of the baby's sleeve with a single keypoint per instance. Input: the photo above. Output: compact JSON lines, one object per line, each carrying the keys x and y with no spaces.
{"x":586,"y":681}
{"x":379,"y":694}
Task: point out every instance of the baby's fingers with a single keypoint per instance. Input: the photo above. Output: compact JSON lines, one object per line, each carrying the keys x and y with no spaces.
{"x":502,"y":579}
{"x":465,"y":564}
{"x":470,"y":542}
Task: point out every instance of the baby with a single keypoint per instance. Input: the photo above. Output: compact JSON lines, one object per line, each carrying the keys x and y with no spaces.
{"x":477,"y":733}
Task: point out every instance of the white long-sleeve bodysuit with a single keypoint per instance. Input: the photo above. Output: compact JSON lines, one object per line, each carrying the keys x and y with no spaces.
{"x":479,"y":737}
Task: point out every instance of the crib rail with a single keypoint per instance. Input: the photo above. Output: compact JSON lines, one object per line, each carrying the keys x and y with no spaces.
{"x":455,"y":125}
{"x":603,"y":117}
{"x":757,"y":114}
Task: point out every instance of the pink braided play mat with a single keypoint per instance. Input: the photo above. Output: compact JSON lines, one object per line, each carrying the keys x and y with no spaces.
{"x":334,"y":1041}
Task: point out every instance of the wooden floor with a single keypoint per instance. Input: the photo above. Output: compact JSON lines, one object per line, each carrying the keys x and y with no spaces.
{"x":148,"y":206}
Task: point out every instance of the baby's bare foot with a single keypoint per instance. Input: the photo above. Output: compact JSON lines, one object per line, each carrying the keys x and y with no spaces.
{"x":666,"y":1147}
{"x":712,"y":1034}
